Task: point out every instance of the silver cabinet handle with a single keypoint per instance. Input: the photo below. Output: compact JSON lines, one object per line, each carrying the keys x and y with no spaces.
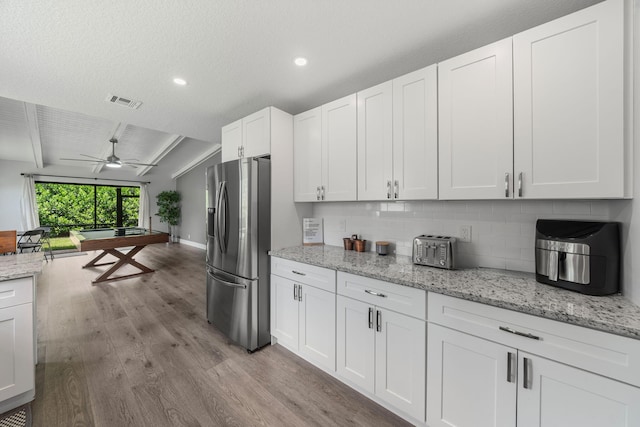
{"x":396,"y":189}
{"x":520,"y":184}
{"x":298,"y":273}
{"x":506,"y":184}
{"x":370,"y":318}
{"x":377,"y":294}
{"x":295,"y":292}
{"x":522,"y":334}
{"x":378,"y":321}
{"x":510,"y":365}
{"x":299,"y":292}
{"x":317,"y":193}
{"x":526,"y":373}
{"x":388,"y":189}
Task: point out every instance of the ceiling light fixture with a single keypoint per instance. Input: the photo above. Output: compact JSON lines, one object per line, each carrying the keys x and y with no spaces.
{"x":114,"y":164}
{"x":300,"y":61}
{"x":179,"y":81}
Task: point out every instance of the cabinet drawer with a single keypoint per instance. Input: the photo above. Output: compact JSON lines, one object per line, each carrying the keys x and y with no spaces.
{"x":322,"y":278}
{"x":16,"y":291}
{"x":403,"y":299}
{"x":600,"y":352}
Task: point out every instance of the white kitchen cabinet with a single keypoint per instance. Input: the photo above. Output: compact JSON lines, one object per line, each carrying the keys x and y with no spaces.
{"x":375,"y":142}
{"x":397,"y":138}
{"x":17,"y":335}
{"x":379,"y":350}
{"x":475,"y":123}
{"x":515,"y":369}
{"x":248,"y":137}
{"x":415,"y":134}
{"x":307,"y":154}
{"x":339,"y":160}
{"x":303,"y":311}
{"x":468,"y":384}
{"x":569,"y":110}
{"x":560,"y":395}
{"x":561,"y":134}
{"x":231,"y":141}
{"x":325,"y":152}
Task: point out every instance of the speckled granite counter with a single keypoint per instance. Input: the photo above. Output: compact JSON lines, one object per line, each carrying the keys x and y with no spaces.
{"x":21,"y":265}
{"x":500,"y":288}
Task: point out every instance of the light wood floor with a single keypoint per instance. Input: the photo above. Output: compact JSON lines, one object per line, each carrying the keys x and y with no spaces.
{"x":139,"y":352}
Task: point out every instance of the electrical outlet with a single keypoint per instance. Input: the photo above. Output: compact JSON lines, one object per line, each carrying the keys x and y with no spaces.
{"x":189,"y":236}
{"x":464,"y":233}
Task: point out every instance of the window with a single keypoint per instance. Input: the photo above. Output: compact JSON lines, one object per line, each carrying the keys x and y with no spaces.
{"x":65,"y":207}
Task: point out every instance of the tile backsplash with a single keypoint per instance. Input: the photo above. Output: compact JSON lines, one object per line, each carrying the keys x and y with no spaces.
{"x":502,"y":231}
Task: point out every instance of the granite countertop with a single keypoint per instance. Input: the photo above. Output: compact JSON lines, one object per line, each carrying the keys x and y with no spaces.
{"x":501,"y":288}
{"x":21,"y":265}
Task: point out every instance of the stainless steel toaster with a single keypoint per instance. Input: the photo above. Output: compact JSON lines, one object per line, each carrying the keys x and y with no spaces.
{"x":434,"y":251}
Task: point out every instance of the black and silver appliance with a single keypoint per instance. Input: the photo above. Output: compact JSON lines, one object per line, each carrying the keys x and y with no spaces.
{"x":434,"y":251}
{"x":582,"y":256}
{"x":238,"y":241}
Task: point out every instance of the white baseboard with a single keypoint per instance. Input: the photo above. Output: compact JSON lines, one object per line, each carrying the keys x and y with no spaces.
{"x":194,"y":244}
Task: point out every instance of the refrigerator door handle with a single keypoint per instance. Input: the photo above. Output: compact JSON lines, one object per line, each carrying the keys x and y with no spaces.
{"x":227,"y":283}
{"x":222,"y":217}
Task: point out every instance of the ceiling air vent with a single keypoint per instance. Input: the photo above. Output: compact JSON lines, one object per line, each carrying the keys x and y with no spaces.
{"x":118,"y":100}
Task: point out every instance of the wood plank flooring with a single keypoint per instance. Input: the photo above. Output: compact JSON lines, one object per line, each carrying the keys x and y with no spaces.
{"x":139,"y":352}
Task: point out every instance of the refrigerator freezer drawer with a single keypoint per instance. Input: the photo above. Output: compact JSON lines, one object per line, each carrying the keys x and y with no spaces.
{"x":235,"y":307}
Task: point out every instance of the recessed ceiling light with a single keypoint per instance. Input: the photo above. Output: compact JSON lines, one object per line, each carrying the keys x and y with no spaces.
{"x":180,"y":81}
{"x":300,"y":61}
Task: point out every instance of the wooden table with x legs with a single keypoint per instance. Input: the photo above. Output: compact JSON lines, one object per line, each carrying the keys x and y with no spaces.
{"x":109,"y":240}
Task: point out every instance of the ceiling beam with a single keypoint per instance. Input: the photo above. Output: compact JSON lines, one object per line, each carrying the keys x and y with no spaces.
{"x":31,"y":114}
{"x":165,"y":149}
{"x":116,"y":132}
{"x":197,"y":161}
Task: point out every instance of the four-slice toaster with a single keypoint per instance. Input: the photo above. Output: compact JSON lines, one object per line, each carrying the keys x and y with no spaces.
{"x":434,"y":251}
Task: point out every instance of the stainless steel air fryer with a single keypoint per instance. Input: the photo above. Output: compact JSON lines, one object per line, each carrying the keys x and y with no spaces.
{"x":582,"y":256}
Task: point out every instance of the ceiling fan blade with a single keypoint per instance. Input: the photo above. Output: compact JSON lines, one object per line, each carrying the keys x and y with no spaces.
{"x":92,"y":157}
{"x":86,"y":160}
{"x":139,"y":164}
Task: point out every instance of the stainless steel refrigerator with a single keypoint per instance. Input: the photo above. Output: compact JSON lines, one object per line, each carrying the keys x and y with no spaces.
{"x":238,"y":241}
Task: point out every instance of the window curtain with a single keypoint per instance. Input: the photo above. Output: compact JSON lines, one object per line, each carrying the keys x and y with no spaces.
{"x":144,"y":210}
{"x":28,"y":205}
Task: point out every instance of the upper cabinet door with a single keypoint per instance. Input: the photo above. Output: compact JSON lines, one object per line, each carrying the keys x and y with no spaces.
{"x":476,"y":123}
{"x":339,"y":149}
{"x":256,"y":134}
{"x":375,"y":139}
{"x":231,"y":141}
{"x":569,"y":105}
{"x":415,"y":135}
{"x":307,"y":155}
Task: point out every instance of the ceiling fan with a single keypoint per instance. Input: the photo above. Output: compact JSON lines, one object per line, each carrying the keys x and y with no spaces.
{"x":112,"y":161}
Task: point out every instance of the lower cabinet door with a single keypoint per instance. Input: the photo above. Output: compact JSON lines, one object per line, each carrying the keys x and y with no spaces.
{"x":17,"y":366}
{"x":284,"y":312}
{"x":318,"y":326}
{"x":560,"y":395}
{"x":356,"y":342}
{"x":470,"y":383}
{"x":401,"y":361}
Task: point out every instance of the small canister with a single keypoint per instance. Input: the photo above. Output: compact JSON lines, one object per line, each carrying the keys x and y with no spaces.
{"x":382,"y":248}
{"x":348,"y":244}
{"x":359,"y":245}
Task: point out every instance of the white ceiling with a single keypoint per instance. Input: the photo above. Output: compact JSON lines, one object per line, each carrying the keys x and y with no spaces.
{"x":62,"y":59}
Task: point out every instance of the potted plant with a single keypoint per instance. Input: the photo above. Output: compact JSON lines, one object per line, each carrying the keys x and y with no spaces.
{"x":169,"y":210}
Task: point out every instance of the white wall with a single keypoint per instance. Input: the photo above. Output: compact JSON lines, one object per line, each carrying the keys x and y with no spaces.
{"x":502,"y":231}
{"x":11,"y":193}
{"x":192,"y":188}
